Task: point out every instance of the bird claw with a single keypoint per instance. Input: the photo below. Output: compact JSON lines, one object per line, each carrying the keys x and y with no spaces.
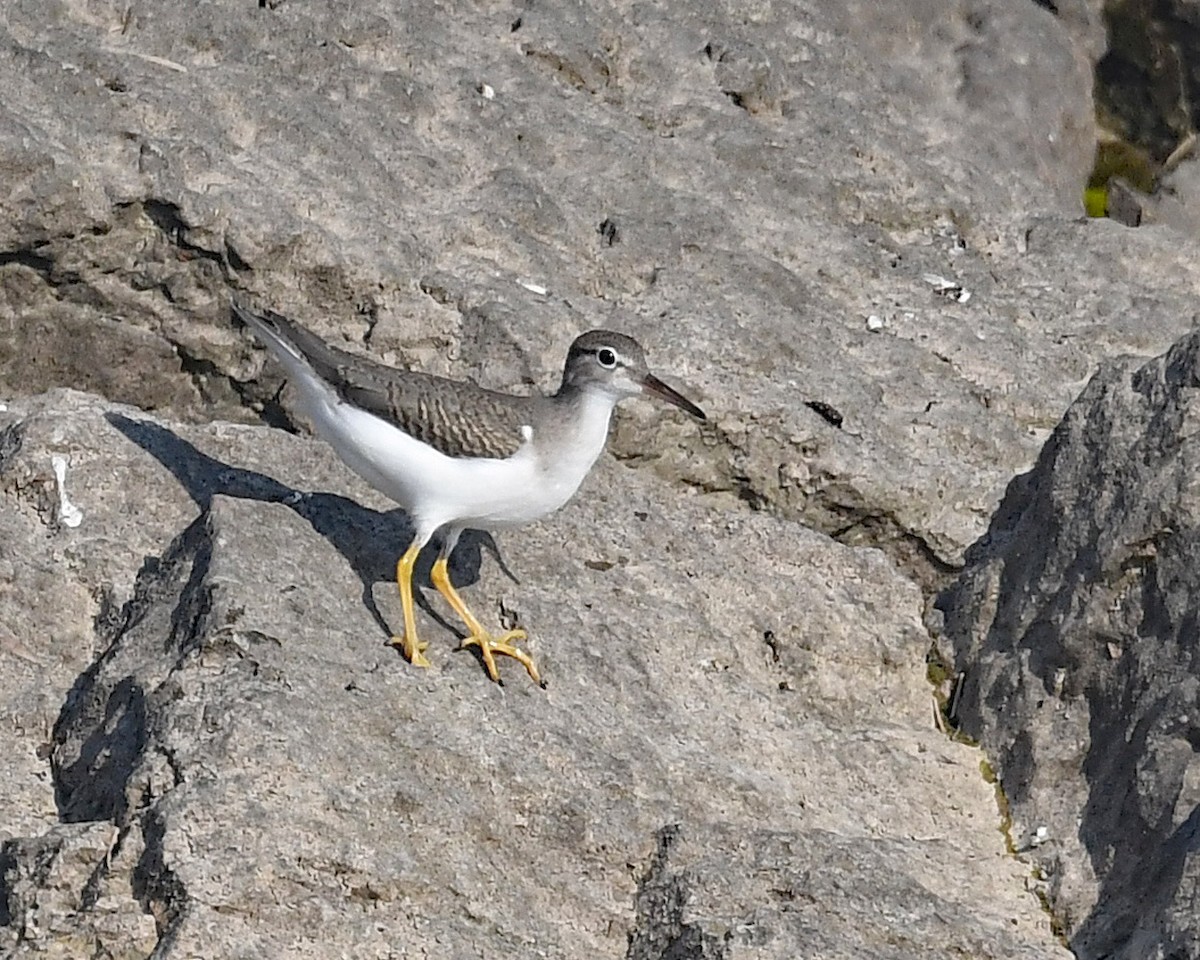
{"x":503,"y":645}
{"x":414,"y":653}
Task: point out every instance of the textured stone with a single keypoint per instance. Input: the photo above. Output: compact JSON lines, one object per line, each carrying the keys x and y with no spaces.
{"x":405,"y":176}
{"x":1075,"y":624}
{"x":712,"y":770}
{"x":851,"y":230}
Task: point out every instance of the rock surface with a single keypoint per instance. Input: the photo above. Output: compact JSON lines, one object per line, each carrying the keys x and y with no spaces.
{"x":1076,"y":624}
{"x":709,"y":773}
{"x":788,"y":203}
{"x":851,"y":231}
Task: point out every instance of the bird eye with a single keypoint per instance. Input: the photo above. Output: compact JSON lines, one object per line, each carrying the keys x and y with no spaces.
{"x":607,"y":357}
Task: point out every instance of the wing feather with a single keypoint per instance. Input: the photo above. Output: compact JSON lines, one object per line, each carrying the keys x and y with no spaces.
{"x":456,"y":418}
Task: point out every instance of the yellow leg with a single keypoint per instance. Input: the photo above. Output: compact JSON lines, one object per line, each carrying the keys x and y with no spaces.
{"x":488,"y":645}
{"x":413,"y":650}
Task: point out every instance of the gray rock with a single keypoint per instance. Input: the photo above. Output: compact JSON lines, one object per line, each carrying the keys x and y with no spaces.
{"x":790,"y":206}
{"x":395,"y":180}
{"x":246,"y":768}
{"x":1075,"y":625}
{"x":54,"y":914}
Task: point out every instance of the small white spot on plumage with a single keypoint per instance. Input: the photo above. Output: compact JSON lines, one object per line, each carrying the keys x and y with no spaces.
{"x":526,"y":432}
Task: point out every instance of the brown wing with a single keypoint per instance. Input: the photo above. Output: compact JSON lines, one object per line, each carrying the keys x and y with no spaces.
{"x":459,"y":419}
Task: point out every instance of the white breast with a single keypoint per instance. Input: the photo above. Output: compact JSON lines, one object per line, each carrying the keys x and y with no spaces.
{"x":474,"y":492}
{"x":563,"y":466}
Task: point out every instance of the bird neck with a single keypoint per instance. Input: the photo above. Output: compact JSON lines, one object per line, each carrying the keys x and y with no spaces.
{"x":583,"y":415}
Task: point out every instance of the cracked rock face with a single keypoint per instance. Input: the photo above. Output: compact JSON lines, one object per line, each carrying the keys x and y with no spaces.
{"x":850,"y":230}
{"x":760,"y":197}
{"x":1076,"y":623}
{"x":240,"y":765}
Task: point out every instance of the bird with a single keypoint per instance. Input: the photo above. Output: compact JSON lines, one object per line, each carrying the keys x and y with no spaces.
{"x":457,"y":456}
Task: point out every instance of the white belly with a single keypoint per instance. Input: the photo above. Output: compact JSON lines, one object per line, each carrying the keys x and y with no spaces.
{"x":435,"y":489}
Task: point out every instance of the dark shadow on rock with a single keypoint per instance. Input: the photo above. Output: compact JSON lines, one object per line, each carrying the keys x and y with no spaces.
{"x":101,"y":732}
{"x":660,"y":929}
{"x":370,"y":540}
{"x":1119,"y":828}
{"x":1078,"y":607}
{"x":8,"y":876}
{"x":92,"y":786}
{"x":157,"y":888}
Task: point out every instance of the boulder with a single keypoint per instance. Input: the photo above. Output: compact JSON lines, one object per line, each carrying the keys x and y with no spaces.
{"x":1075,"y":626}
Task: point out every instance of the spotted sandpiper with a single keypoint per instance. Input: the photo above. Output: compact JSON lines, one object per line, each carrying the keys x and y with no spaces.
{"x":456,"y":456}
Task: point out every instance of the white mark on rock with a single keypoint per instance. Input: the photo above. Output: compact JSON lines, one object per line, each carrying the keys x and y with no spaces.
{"x":157,"y":61}
{"x":487,"y":92}
{"x":875,"y":323}
{"x":68,"y":514}
{"x":533,"y":287}
{"x":947,"y":288}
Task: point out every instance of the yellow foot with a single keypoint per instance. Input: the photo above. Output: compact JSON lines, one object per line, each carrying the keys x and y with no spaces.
{"x":503,"y":645}
{"x":414,"y":653}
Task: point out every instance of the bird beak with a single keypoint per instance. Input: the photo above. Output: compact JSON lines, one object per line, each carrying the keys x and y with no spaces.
{"x":656,"y":387}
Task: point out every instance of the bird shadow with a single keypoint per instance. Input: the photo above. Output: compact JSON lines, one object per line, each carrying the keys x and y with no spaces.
{"x":371,"y":541}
